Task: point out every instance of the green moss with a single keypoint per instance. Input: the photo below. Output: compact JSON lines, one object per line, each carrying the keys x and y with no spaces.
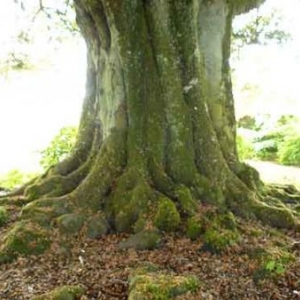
{"x":256,"y":232}
{"x":136,"y":204}
{"x":194,"y":227}
{"x":220,"y":231}
{"x":217,"y":240}
{"x":24,"y":238}
{"x":297,"y":208}
{"x":130,"y":199}
{"x":70,"y":223}
{"x":146,"y":239}
{"x":3,"y":215}
{"x":41,"y":215}
{"x":227,"y":220}
{"x":157,"y":286}
{"x":250,"y":176}
{"x":140,"y":224}
{"x":62,"y":293}
{"x":32,"y":192}
{"x":96,"y":226}
{"x":167,"y":217}
{"x":279,"y":217}
{"x":187,"y":204}
{"x":272,"y":262}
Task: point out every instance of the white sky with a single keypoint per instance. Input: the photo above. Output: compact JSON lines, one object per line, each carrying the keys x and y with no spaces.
{"x":35,"y":105}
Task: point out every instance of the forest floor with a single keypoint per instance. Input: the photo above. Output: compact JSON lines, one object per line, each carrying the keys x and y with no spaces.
{"x":239,"y":272}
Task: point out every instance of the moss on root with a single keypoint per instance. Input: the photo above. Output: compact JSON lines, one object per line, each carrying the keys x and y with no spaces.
{"x":67,"y":292}
{"x":23,"y":239}
{"x":43,"y":211}
{"x":279,"y":217}
{"x":3,"y":215}
{"x":217,"y":229}
{"x":220,"y":231}
{"x":194,"y":227}
{"x":131,"y":198}
{"x":96,"y":226}
{"x":70,"y":223}
{"x":167,"y":217}
{"x":185,"y":199}
{"x":249,"y":176}
{"x":159,"y":286}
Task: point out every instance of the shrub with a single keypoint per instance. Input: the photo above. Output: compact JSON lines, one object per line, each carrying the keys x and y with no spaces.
{"x":59,"y":148}
{"x":245,"y":148}
{"x":266,"y":143}
{"x":247,"y":122}
{"x":289,"y":150}
{"x":15,"y":178}
{"x":274,"y":140}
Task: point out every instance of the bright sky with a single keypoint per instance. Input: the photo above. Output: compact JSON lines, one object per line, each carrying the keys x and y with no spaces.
{"x":35,"y":105}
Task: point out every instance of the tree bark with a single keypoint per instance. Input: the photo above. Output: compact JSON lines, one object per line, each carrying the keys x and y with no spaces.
{"x":157,"y":136}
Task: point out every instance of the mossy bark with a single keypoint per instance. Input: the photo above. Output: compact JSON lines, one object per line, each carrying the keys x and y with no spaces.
{"x":157,"y":133}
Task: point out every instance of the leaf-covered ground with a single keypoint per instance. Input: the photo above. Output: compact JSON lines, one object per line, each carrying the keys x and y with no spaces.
{"x":240,"y":272}
{"x":243,"y":271}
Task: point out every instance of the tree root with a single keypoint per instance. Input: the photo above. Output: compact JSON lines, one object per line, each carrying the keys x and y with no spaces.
{"x":108,"y":196}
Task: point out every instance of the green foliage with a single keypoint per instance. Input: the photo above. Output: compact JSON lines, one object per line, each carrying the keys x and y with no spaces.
{"x":15,"y":61}
{"x":247,"y":122}
{"x":274,"y":266}
{"x":273,"y":262}
{"x":266,"y":145}
{"x":245,"y":148}
{"x":274,"y":140}
{"x":289,"y":150}
{"x":15,"y":178}
{"x":59,"y":148}
{"x":279,"y":141}
{"x":259,"y":28}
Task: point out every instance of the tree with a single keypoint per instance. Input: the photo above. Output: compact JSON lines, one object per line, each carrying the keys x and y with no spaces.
{"x":261,"y":29}
{"x":157,"y":135}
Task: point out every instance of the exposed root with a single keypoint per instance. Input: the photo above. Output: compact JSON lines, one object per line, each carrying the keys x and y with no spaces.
{"x":288,"y":194}
{"x":19,"y":191}
{"x":106,"y":196}
{"x":57,"y":185}
{"x":279,"y":217}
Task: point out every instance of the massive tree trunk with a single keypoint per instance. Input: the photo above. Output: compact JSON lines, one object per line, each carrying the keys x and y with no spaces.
{"x":157,"y":132}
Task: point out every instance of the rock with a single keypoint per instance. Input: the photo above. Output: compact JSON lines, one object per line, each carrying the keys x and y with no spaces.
{"x":70,"y":223}
{"x":144,"y":240}
{"x":96,"y":227}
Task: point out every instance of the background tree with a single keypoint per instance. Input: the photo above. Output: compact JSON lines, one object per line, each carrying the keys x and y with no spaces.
{"x":157,"y":136}
{"x":259,"y":28}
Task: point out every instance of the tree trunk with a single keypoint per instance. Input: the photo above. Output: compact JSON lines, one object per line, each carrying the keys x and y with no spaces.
{"x":157,"y":136}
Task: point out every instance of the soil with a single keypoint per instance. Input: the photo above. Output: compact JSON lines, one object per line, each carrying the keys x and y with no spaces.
{"x":103,"y":269}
